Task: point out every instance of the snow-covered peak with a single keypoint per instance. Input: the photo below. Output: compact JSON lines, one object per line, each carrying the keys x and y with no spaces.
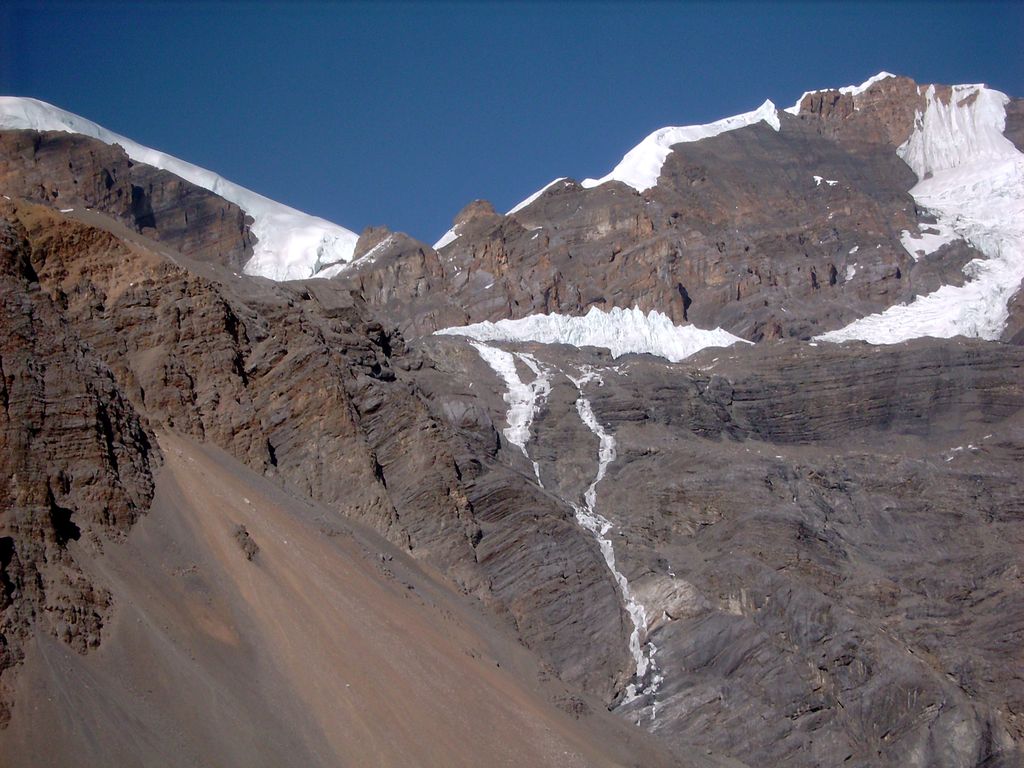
{"x":621,"y":331}
{"x":641,"y":166}
{"x":853,"y":90}
{"x":290,"y":244}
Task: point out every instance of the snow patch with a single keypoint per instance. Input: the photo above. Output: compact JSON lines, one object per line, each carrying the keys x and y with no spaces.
{"x":971,"y":178}
{"x":920,"y":244}
{"x":374,"y":253}
{"x":290,"y":244}
{"x":621,"y":331}
{"x":851,"y":270}
{"x":641,"y":166}
{"x":819,"y":179}
{"x":333,"y":270}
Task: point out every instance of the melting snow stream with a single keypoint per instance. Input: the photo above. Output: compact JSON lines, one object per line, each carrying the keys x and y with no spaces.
{"x":589,"y":518}
{"x":523,"y":400}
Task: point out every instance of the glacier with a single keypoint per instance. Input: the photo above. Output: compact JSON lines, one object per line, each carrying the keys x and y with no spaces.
{"x":620,"y":331}
{"x":971,"y":178}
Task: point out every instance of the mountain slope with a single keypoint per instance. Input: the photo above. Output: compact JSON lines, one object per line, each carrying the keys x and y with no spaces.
{"x":319,"y":645}
{"x":824,"y":541}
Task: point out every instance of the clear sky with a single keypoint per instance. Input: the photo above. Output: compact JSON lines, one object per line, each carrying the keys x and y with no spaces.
{"x":400,"y":114}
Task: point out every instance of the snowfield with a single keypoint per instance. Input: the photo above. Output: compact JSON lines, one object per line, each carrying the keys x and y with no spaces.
{"x":290,"y":244}
{"x":448,"y":237}
{"x":971,"y":178}
{"x":621,"y":331}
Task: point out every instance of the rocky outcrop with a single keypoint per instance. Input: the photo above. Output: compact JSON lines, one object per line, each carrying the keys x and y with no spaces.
{"x":76,"y":464}
{"x":881,"y":115}
{"x":401,"y":273}
{"x":66,"y":170}
{"x":1015,"y":123}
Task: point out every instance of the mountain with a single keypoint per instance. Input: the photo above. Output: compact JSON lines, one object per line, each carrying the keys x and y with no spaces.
{"x":287,"y":244}
{"x":794,"y":224}
{"x":729,"y":436}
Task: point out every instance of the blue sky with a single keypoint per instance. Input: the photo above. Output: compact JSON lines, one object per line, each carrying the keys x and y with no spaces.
{"x":400,"y":114}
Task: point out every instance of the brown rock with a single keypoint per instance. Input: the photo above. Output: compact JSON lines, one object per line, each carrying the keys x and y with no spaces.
{"x":66,"y":170}
{"x":76,"y":466}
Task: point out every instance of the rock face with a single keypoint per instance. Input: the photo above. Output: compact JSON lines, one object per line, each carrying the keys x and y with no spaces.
{"x":76,"y":465}
{"x":70,"y":171}
{"x":789,"y":552}
{"x":881,"y":114}
{"x":815,"y":554}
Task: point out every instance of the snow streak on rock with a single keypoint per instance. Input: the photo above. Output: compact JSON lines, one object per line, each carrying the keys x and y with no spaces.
{"x":621,"y":331}
{"x":647,"y":675}
{"x":971,"y":178}
{"x":641,"y":166}
{"x":290,"y":244}
{"x":522,"y":204}
{"x":522,"y":399}
{"x":447,"y":238}
{"x":369,"y":257}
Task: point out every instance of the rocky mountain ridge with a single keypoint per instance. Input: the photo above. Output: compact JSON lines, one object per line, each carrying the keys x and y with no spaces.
{"x":788,"y":233}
